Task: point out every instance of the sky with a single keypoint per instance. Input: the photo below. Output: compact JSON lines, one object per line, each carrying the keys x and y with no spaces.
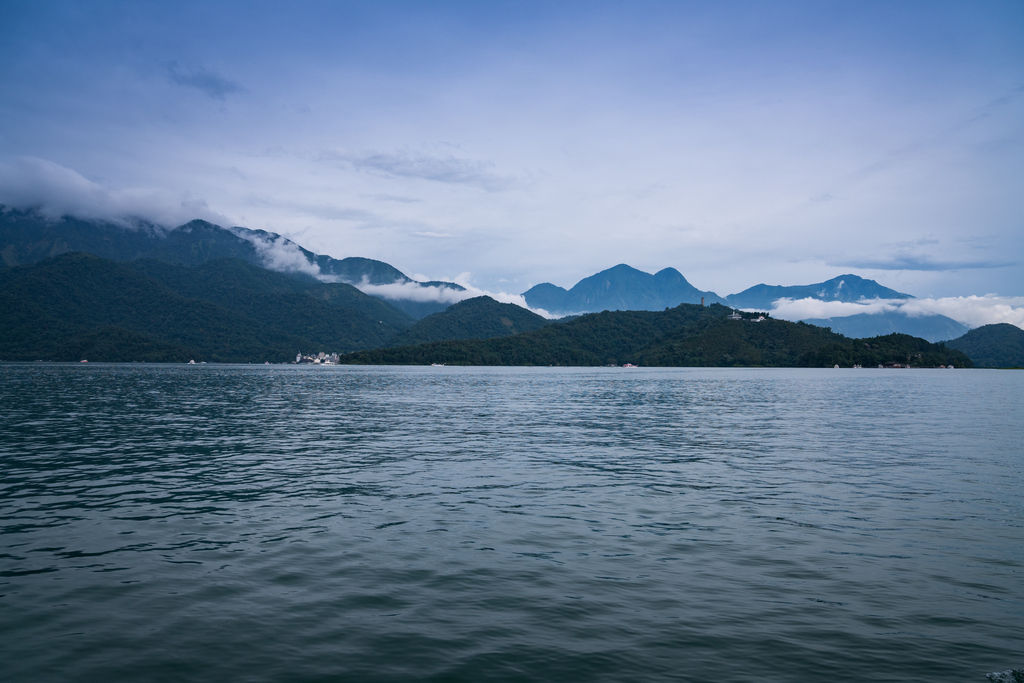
{"x":512,"y":143}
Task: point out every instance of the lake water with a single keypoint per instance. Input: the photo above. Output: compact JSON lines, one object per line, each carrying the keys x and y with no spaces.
{"x":284,"y":523}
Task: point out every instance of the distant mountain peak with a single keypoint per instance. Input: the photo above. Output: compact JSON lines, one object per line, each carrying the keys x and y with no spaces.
{"x":847,"y":288}
{"x":621,"y":287}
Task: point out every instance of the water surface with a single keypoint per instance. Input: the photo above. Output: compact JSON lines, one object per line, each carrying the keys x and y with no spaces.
{"x":215,"y":523}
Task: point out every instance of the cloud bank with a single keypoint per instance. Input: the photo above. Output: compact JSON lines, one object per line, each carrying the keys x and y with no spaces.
{"x":281,"y":254}
{"x":54,"y":191}
{"x":415,"y":291}
{"x":972,"y":311}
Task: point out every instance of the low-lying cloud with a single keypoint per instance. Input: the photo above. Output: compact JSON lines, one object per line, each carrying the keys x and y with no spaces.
{"x":54,"y":191}
{"x":972,"y":311}
{"x":415,"y":291}
{"x":281,"y":254}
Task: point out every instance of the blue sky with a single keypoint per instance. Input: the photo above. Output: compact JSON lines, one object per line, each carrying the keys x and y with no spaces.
{"x":739,"y":142}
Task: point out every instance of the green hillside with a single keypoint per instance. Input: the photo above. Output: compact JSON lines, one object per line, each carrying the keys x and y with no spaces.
{"x":478,"y":318}
{"x":719,"y":342}
{"x":688,"y":335}
{"x":278,"y":299}
{"x":27,"y":237}
{"x":77,"y":304}
{"x":993,"y":346}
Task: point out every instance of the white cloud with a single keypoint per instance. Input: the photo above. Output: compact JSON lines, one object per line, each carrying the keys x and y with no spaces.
{"x":55,"y":191}
{"x":439,"y":168}
{"x":972,"y":311}
{"x":415,"y":291}
{"x":800,"y":309}
{"x":281,"y":254}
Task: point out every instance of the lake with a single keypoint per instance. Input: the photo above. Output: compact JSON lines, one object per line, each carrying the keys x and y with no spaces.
{"x":296,"y":523}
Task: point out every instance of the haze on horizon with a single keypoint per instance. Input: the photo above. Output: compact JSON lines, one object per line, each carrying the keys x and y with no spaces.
{"x":738,"y":142}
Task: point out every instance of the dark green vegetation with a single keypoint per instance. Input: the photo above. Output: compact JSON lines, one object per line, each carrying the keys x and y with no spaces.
{"x":934,"y":328}
{"x":26,"y":238}
{"x":688,"y":335}
{"x":993,"y":346}
{"x":621,"y":288}
{"x":76,"y":306}
{"x":889,"y":349}
{"x":479,"y":318}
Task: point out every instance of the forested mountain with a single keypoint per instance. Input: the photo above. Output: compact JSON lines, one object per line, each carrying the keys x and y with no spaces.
{"x":26,"y":237}
{"x":842,"y":288}
{"x":993,"y":346}
{"x":77,"y":305}
{"x":267,"y":295}
{"x":687,"y":335}
{"x":622,"y":288}
{"x":478,"y":318}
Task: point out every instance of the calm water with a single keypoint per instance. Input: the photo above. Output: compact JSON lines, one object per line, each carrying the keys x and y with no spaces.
{"x":236,"y":523}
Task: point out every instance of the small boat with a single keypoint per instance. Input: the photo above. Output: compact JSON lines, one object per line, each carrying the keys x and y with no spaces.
{"x":630,"y":365}
{"x":83,"y":361}
{"x":191,"y":362}
{"x":437,"y":365}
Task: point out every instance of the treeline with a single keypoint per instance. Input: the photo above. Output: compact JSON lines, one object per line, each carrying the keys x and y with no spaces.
{"x":685,"y":336}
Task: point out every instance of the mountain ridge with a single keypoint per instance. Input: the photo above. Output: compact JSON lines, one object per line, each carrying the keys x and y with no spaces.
{"x":26,"y":237}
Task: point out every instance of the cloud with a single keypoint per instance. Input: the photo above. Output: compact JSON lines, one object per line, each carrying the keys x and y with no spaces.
{"x":281,"y":254}
{"x":54,"y":191}
{"x":392,"y":198}
{"x":909,"y":262}
{"x":415,"y":291}
{"x":443,"y":169}
{"x":205,"y":81}
{"x":972,"y":311}
{"x":435,"y":235}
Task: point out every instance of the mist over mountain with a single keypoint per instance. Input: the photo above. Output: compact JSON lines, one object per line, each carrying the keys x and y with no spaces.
{"x":934,"y":328}
{"x":848,"y":288}
{"x":26,"y":237}
{"x":862,"y":307}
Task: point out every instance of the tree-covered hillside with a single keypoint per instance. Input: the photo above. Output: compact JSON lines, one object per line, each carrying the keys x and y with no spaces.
{"x":478,"y":318}
{"x":993,"y":346}
{"x":75,"y":304}
{"x":27,"y":237}
{"x":688,"y":335}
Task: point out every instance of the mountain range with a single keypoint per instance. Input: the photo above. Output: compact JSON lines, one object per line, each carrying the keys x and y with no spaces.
{"x":26,"y":237}
{"x":80,"y":306}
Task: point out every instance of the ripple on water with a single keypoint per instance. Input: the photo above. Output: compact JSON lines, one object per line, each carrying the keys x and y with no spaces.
{"x":222,"y":522}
